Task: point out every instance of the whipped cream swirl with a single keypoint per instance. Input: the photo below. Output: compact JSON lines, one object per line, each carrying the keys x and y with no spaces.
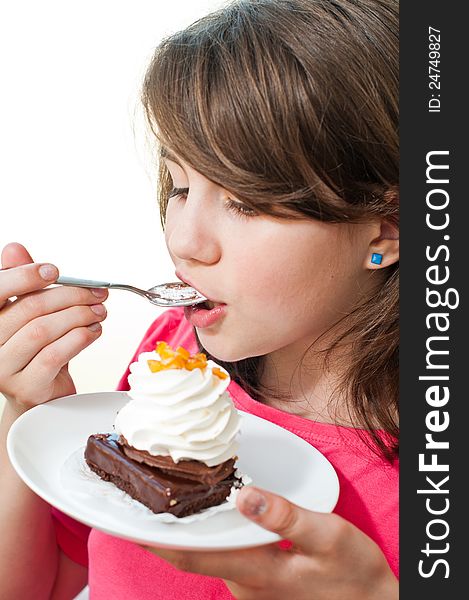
{"x":184,"y":414}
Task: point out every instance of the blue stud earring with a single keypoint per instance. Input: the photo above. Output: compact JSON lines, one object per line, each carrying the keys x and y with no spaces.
{"x":376,"y":258}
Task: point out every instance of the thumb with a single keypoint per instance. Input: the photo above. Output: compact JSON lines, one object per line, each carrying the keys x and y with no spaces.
{"x":15,"y":255}
{"x":308,"y":530}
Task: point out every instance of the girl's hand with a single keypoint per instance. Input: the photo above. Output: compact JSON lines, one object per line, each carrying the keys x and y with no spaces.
{"x":329,"y":558}
{"x":41,"y":330}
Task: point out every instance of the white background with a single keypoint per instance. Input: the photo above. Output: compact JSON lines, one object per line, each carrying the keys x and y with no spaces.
{"x":77,"y":184}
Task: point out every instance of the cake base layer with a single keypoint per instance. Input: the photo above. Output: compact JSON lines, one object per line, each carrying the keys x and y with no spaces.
{"x":187,"y":469}
{"x":158,"y":490}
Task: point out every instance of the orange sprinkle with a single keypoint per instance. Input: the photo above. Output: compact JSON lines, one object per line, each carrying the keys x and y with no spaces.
{"x":174,"y":362}
{"x":164,"y":350}
{"x":194,"y":363}
{"x":183,"y":352}
{"x":179,"y":359}
{"x":160,"y":346}
{"x":219,"y":373}
{"x":155,"y":365}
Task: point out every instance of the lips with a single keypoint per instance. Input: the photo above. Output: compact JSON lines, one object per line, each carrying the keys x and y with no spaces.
{"x":205,"y":313}
{"x":199,"y":316}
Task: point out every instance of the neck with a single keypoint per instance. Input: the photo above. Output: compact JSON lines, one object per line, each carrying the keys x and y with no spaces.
{"x":302,"y":384}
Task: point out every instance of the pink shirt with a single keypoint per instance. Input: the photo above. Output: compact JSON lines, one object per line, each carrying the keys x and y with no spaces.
{"x":120,"y":570}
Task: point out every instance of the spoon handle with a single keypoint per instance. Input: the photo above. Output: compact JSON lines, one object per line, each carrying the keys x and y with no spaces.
{"x":89,"y":283}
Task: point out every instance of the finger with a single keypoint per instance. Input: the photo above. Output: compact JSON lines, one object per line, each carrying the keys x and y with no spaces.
{"x":26,"y":343}
{"x":309,"y":531}
{"x":24,"y":279}
{"x":44,"y":368}
{"x":17,"y":314}
{"x":247,"y":567}
{"x":14,"y":255}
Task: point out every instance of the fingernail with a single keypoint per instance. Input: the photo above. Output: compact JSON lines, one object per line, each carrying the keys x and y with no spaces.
{"x":94,"y":327}
{"x":99,"y":292}
{"x":98,"y":309}
{"x":255,"y":504}
{"x":48,"y":272}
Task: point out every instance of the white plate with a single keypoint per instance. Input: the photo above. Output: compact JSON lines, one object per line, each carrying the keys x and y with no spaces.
{"x":42,"y":439}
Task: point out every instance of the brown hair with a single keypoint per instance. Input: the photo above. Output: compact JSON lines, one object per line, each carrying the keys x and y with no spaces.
{"x":292,"y":105}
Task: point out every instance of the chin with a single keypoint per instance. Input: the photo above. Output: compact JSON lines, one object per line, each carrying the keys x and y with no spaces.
{"x":227,"y":349}
{"x":223,"y":352}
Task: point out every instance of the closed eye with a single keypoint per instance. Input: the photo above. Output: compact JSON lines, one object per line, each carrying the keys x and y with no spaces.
{"x":238,"y":208}
{"x":178,"y":192}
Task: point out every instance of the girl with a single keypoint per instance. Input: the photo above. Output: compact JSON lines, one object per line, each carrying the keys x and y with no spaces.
{"x":277,"y":127}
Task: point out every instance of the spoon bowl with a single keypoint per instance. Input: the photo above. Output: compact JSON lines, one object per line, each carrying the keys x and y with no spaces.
{"x":175,"y":293}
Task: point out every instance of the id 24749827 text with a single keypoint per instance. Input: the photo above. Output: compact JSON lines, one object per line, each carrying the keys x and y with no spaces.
{"x":434,"y":56}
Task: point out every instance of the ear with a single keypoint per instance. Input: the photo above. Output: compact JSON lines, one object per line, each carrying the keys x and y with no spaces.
{"x":383,"y":250}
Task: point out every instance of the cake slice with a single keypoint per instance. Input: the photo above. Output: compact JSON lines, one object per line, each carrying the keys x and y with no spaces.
{"x":174,"y":448}
{"x":160,"y":491}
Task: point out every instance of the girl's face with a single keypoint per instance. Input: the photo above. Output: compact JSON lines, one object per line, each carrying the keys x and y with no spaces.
{"x":282,"y":283}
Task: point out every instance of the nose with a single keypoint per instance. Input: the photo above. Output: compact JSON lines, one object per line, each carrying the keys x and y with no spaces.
{"x":191,"y":232}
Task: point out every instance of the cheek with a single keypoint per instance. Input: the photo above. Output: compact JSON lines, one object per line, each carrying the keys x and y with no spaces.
{"x":285,"y":275}
{"x":305,"y":281}
{"x":289,"y":284}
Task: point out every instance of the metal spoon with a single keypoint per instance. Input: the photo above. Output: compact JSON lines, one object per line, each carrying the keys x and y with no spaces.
{"x":165,"y":294}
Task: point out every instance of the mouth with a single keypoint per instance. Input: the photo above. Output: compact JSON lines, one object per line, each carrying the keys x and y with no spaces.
{"x":207,"y":304}
{"x":204,"y":315}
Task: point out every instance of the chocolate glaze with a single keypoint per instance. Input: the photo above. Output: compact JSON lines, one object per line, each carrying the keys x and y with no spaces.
{"x":159,"y":491}
{"x":189,"y":469}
